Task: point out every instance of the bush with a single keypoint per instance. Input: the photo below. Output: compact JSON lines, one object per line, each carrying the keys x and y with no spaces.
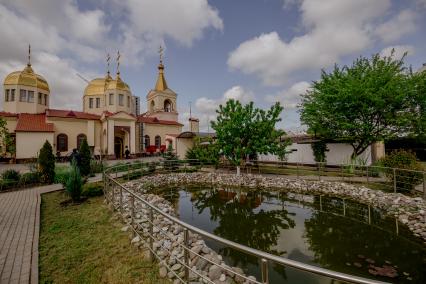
{"x":93,"y":189}
{"x":407,"y":167}
{"x":11,"y":174}
{"x":319,"y":148}
{"x":7,"y":184}
{"x":85,"y":158}
{"x":74,"y":182}
{"x":96,"y":166}
{"x":46,"y":163}
{"x":29,"y":178}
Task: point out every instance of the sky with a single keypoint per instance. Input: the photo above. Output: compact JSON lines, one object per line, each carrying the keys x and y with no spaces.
{"x":251,"y":50}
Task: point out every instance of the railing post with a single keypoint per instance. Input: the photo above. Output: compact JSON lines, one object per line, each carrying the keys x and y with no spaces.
{"x":368,"y":180}
{"x":319,"y":173}
{"x":132,"y":213}
{"x":151,"y":234}
{"x":297,"y":169}
{"x":113,"y":196}
{"x":394,"y":180}
{"x":265,"y":274}
{"x":186,"y":252}
{"x":369,"y":215}
{"x":424,"y":185}
{"x":121,"y":200}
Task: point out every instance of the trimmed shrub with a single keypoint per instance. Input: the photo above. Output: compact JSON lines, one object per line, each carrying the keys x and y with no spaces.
{"x":7,"y":184}
{"x":319,"y":148}
{"x":85,"y":158}
{"x":74,"y":183}
{"x":407,"y":167}
{"x":29,"y":178}
{"x":46,"y":163}
{"x":11,"y":174}
{"x":93,"y":189}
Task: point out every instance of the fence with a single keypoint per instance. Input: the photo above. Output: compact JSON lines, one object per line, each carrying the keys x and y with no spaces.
{"x":384,"y":178}
{"x":128,"y":202}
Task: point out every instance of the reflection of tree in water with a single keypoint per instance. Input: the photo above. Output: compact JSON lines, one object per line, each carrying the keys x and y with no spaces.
{"x":238,"y":222}
{"x":337,"y":240}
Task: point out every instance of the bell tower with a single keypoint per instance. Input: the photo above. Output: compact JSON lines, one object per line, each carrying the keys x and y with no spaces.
{"x":161,"y":101}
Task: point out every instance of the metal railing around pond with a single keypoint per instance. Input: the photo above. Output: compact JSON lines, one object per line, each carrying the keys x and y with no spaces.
{"x":122,"y":198}
{"x":384,"y":178}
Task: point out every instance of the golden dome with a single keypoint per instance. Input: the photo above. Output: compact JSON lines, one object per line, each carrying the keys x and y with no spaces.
{"x":97,"y":86}
{"x":27,"y":77}
{"x":118,"y":84}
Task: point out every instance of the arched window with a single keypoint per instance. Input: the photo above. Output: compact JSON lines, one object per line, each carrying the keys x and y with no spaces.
{"x":152,"y":105}
{"x":147,"y":142}
{"x":62,"y":142}
{"x":80,"y":139}
{"x":157,"y":141}
{"x":168,"y":106}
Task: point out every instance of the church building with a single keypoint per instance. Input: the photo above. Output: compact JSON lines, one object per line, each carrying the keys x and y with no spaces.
{"x":110,"y":120}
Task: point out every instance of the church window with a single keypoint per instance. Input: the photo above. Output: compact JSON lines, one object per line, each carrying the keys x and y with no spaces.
{"x":128,"y":101}
{"x":157,"y":141}
{"x":40,"y":98}
{"x":121,"y":100}
{"x":90,"y":102}
{"x":12,"y":95}
{"x":80,"y":139}
{"x":98,"y":102}
{"x":152,"y":106}
{"x":147,"y":142}
{"x":111,"y":99}
{"x":30,"y":96}
{"x":45,"y":99}
{"x":23,"y":96}
{"x":62,"y":142}
{"x":167,"y":106}
{"x":6,"y":95}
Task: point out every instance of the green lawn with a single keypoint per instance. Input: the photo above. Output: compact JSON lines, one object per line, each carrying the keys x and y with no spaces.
{"x":84,"y":244}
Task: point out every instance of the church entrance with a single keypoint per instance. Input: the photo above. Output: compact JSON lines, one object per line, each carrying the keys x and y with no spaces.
{"x":118,"y":147}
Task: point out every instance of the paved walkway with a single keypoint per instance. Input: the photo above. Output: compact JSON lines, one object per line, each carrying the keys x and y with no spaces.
{"x":19,"y":233}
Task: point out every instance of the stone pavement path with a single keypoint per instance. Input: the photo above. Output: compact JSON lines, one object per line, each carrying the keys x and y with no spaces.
{"x":19,"y":234}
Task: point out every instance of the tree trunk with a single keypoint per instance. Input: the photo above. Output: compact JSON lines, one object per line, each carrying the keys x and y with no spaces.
{"x":238,"y":171}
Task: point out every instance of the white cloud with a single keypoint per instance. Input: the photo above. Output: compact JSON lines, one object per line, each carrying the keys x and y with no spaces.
{"x":399,"y":51}
{"x":182,"y":20}
{"x":67,"y":38}
{"x":333,"y":31}
{"x":397,"y":27}
{"x":291,"y":97}
{"x":238,"y":93}
{"x":205,"y":108}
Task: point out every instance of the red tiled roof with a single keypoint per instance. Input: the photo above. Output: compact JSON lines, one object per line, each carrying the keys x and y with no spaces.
{"x":154,"y":120}
{"x":71,"y":114}
{"x":8,"y":114}
{"x":33,"y":123}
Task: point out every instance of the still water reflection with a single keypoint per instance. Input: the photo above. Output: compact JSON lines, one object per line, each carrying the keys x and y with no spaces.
{"x":325,"y":231}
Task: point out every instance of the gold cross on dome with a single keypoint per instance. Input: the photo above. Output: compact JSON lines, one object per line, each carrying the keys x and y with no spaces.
{"x":160,"y":51}
{"x":118,"y":61}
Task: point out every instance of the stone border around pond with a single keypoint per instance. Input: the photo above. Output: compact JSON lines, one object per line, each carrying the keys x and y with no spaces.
{"x":409,"y":211}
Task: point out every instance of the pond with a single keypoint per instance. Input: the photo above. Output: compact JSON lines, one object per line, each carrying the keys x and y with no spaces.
{"x":329,"y":232}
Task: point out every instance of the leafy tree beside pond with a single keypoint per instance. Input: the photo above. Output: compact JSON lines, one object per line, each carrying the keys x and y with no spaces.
{"x":243,"y":130}
{"x":207,"y":153}
{"x":372,"y":100}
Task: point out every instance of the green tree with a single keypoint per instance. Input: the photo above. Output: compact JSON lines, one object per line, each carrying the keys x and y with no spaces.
{"x":360,"y":104}
{"x":204,"y":150}
{"x":418,"y":106}
{"x":319,"y":148}
{"x":85,"y":157}
{"x":46,"y":163}
{"x":6,"y":138}
{"x":243,"y":130}
{"x":74,"y":182}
